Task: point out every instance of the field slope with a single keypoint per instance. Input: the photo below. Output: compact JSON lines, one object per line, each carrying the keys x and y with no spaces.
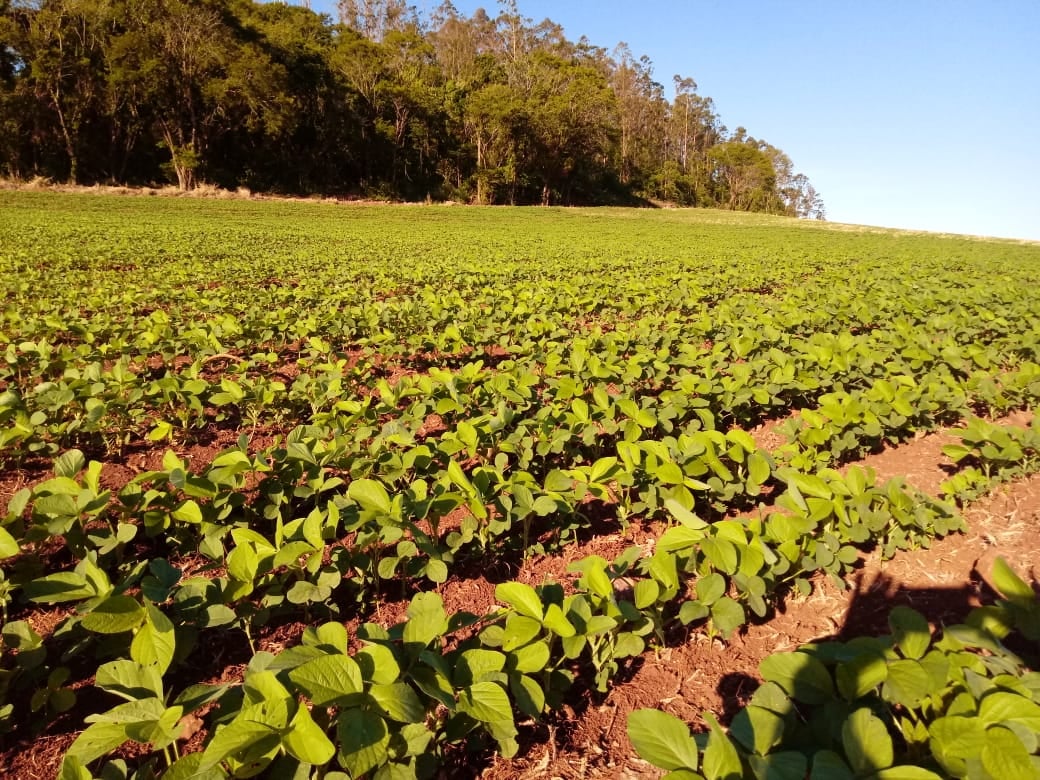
{"x":302,"y":487}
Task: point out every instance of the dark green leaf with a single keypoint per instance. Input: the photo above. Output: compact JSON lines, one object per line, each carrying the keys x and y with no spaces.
{"x":867,"y":742}
{"x":363,"y":740}
{"x":758,"y":729}
{"x":399,"y":702}
{"x":910,"y":630}
{"x":800,"y":675}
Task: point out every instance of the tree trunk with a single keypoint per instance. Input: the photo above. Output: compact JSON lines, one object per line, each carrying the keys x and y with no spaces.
{"x":70,"y":147}
{"x":182,"y":158}
{"x":480,"y":169}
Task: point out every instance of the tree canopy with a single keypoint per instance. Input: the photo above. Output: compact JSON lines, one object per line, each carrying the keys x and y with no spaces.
{"x":380,"y":102}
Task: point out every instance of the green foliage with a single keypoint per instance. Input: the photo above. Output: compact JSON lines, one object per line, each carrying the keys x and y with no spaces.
{"x":907,"y":705}
{"x":280,"y":98}
{"x":380,"y":421}
{"x":990,"y":454}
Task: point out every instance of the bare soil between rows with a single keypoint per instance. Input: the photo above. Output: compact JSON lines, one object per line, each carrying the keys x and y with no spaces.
{"x":693,"y":674}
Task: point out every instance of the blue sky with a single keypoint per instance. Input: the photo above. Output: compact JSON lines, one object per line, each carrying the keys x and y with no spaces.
{"x":918,"y":114}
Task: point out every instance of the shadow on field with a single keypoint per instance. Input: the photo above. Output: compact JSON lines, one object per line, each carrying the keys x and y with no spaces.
{"x":867,"y":616}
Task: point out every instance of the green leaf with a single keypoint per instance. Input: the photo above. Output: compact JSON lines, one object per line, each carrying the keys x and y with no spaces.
{"x":378,"y":664}
{"x":720,"y":760}
{"x":58,"y":588}
{"x":8,"y":544}
{"x":163,"y":578}
{"x":602,"y":469}
{"x":867,"y":742}
{"x":427,"y":619}
{"x":758,"y":468}
{"x":305,"y":741}
{"x":157,"y":726}
{"x":727,"y":615}
{"x":486,"y":702}
{"x":154,"y":643}
{"x":399,"y":702}
{"x":528,"y":694}
{"x":628,"y":645}
{"x":722,"y":553}
{"x":132,"y":713}
{"x":328,"y":680}
{"x":97,"y":740}
{"x":476,"y":665}
{"x":557,"y":622}
{"x":668,"y":473}
{"x":662,"y":739}
{"x":162,"y":430}
{"x":114,"y":615}
{"x":330,"y":635}
{"x":861,"y":675}
{"x":679,"y":538}
{"x":235,"y":737}
{"x":808,"y":484}
{"x":1011,"y":586}
{"x":217,"y":615}
{"x":687,"y":518}
{"x":1005,"y":757}
{"x":953,"y":739}
{"x":645,"y":593}
{"x":1002,"y":707}
{"x":371,"y":496}
{"x":58,"y":505}
{"x":905,"y":772}
{"x":910,"y":630}
{"x":129,"y":679}
{"x":758,"y":729}
{"x":436,"y":570}
{"x":433,"y":682}
{"x":743,"y":438}
{"x":187,"y":768}
{"x":828,"y":765}
{"x":800,"y":675}
{"x":907,"y":684}
{"x":72,"y":769}
{"x":596,"y":578}
{"x":786,"y":765}
{"x":69,"y":464}
{"x":531,"y":658}
{"x":956,"y":452}
{"x":188,"y":512}
{"x":711,"y":588}
{"x":243,"y":563}
{"x":363,"y":741}
{"x":771,"y":696}
{"x":521,"y":597}
{"x":195,"y":696}
{"x":692,"y":610}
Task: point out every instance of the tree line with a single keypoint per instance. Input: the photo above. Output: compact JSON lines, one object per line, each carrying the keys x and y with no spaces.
{"x":380,"y":102}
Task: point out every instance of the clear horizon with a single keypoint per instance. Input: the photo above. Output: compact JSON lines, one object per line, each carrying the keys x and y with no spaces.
{"x":918,"y":115}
